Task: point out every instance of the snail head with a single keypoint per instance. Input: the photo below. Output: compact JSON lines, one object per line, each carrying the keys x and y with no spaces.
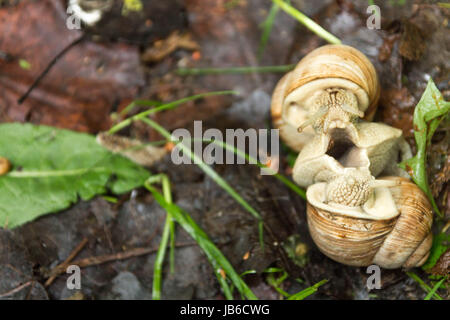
{"x":333,"y":108}
{"x":355,"y":187}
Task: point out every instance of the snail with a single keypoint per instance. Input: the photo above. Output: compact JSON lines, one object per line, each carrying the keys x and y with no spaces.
{"x":323,"y":109}
{"x":5,"y":166}
{"x":330,"y":87}
{"x":388,"y":224}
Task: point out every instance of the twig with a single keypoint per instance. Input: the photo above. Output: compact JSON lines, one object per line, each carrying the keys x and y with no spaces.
{"x":49,"y":66}
{"x":17,"y":289}
{"x":66,"y":262}
{"x":93,"y":261}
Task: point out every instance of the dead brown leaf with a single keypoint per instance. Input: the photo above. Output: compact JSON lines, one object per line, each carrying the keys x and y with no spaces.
{"x":84,"y":85}
{"x":397,"y":109}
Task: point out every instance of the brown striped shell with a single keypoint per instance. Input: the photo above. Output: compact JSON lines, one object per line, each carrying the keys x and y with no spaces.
{"x":330,"y":66}
{"x":391,"y":239}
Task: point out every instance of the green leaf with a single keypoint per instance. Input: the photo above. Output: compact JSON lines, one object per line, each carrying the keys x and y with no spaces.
{"x":52,"y":168}
{"x":308,"y":291}
{"x":429,"y":112}
{"x":441,"y":243}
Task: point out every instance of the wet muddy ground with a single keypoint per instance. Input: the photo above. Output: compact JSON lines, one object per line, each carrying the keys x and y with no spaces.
{"x":411,"y":47}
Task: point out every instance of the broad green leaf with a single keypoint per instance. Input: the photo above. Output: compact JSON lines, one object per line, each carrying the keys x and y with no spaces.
{"x":52,"y":168}
{"x":429,"y":112}
{"x":441,"y":243}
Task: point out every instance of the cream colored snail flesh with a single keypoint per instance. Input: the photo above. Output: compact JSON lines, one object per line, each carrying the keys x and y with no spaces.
{"x":374,"y":146}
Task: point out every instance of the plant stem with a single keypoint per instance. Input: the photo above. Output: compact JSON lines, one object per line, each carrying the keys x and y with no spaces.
{"x":423,"y":285}
{"x":307,"y":22}
{"x":167,"y":232}
{"x":163,"y":107}
{"x":211,"y":173}
{"x":250,"y":159}
{"x":234,"y":70}
{"x":53,"y":173}
{"x":435,"y":288}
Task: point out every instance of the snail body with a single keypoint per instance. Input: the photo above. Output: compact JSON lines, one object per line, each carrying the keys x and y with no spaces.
{"x":392,"y":230}
{"x":331,"y":86}
{"x":374,"y":146}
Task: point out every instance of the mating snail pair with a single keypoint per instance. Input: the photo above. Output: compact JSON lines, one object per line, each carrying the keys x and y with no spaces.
{"x":323,"y":109}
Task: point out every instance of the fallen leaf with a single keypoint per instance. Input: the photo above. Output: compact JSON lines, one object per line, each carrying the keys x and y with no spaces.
{"x":84,"y":85}
{"x":52,"y":168}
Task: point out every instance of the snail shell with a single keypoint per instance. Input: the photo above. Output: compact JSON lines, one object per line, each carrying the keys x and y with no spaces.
{"x":316,"y":79}
{"x":393,"y":231}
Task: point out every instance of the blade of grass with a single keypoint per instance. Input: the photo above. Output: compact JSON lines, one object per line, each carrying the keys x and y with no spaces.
{"x":174,"y":104}
{"x":308,"y":291}
{"x":435,"y":288}
{"x":168,"y":231}
{"x":276,"y":282}
{"x":267,"y":28}
{"x":166,"y":106}
{"x":423,"y":285}
{"x":215,"y":257}
{"x":428,"y":114}
{"x":211,"y":173}
{"x":234,"y":70}
{"x":250,"y":159}
{"x":110,"y":199}
{"x":273,"y":270}
{"x":307,"y":22}
{"x":139,"y":103}
{"x":441,"y":242}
